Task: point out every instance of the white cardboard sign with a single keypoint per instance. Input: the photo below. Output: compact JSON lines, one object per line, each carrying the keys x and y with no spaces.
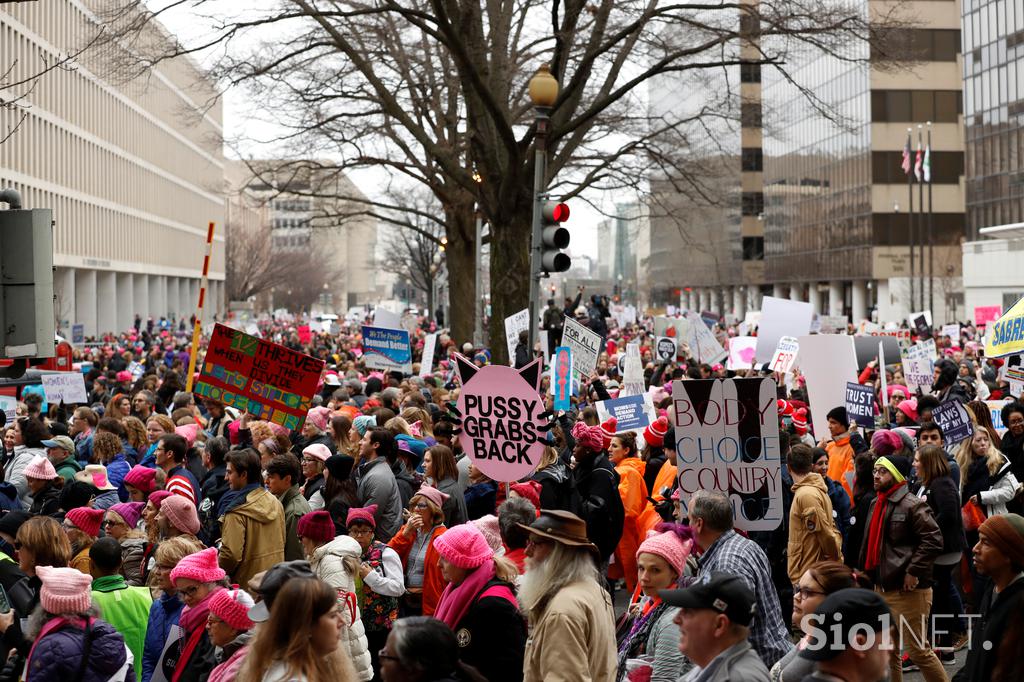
{"x":66,"y":386}
{"x":828,"y":362}
{"x":427,"y":362}
{"x":520,"y":322}
{"x":703,"y":344}
{"x":585,"y":346}
{"x":741,"y":352}
{"x":785,"y":355}
{"x":780,"y":317}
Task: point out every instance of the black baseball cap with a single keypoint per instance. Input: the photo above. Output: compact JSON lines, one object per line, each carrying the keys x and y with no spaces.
{"x":840,"y":617}
{"x":719,"y":592}
{"x":273,"y":580}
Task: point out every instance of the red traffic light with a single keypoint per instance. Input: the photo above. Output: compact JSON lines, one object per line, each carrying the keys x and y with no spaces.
{"x":555,"y":212}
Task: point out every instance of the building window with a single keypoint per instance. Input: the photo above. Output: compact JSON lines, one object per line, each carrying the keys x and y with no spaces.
{"x":886,"y":167}
{"x":750,"y":114}
{"x":753,"y":203}
{"x":925,"y":44}
{"x":753,"y":248}
{"x":909,"y":106}
{"x":750,"y":24}
{"x":752,"y":159}
{"x":750,"y":73}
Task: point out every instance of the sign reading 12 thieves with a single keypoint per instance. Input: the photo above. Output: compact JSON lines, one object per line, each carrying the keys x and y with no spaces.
{"x":727,"y":440}
{"x":501,"y":422}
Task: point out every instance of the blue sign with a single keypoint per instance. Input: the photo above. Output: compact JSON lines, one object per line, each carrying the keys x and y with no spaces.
{"x":561,"y":378}
{"x":952,"y":418}
{"x":631,"y":413}
{"x":387,"y":349}
{"x":860,"y":404}
{"x":78,"y":334}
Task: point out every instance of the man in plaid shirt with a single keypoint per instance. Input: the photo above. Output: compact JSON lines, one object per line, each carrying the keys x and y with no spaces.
{"x":724,"y":550}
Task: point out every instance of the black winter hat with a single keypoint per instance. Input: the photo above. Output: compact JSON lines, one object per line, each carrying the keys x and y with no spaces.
{"x":839,"y":414}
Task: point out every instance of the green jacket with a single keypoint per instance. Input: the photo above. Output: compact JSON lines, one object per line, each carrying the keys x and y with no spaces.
{"x":68,"y":468}
{"x":295,"y":505}
{"x":127,"y":609}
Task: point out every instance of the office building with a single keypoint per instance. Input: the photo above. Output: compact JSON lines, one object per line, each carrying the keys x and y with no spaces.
{"x":132,"y":181}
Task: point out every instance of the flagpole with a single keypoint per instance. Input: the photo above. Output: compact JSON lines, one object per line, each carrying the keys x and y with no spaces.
{"x":920,"y":209}
{"x":931,"y":235}
{"x":910,"y":217}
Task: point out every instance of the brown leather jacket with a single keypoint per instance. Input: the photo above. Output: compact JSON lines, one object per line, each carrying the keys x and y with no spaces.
{"x":910,"y":542}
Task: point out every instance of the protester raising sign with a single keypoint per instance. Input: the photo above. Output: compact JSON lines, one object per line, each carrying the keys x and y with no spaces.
{"x":1005,"y":336}
{"x":68,"y":387}
{"x":387,"y":349}
{"x":561,"y":379}
{"x":585,"y":346}
{"x":632,"y":413}
{"x":828,"y":362}
{"x":727,"y":439}
{"x":785,"y":355}
{"x":665,"y":349}
{"x":501,"y":422}
{"x":266,"y":380}
{"x":514,"y":324}
{"x":860,"y":404}
{"x":780,"y":317}
{"x":427,"y":363}
{"x":952,"y":418}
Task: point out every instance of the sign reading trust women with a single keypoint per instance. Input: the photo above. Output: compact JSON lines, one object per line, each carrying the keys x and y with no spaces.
{"x":727,"y":439}
{"x":266,"y":380}
{"x":501,"y":418}
{"x":387,"y":349}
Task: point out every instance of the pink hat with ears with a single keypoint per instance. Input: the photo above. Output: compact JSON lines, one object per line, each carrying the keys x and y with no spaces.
{"x":40,"y":469}
{"x":464,"y":546}
{"x":672,"y":542}
{"x":188,"y":432}
{"x":201,"y":567}
{"x":432,"y":494}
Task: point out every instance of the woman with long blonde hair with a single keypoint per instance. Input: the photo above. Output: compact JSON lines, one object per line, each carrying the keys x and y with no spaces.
{"x":300,"y":639}
{"x":985,"y":474}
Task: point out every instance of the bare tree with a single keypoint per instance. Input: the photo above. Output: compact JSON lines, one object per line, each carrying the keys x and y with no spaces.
{"x":435,"y":91}
{"x":255,"y":267}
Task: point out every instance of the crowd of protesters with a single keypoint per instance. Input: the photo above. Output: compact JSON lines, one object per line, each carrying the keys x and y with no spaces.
{"x":150,"y":533}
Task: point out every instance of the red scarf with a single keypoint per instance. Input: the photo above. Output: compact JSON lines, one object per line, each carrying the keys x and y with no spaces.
{"x":874,"y":553}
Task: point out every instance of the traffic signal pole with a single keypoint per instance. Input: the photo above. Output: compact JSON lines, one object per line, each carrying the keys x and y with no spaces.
{"x":540,"y":167}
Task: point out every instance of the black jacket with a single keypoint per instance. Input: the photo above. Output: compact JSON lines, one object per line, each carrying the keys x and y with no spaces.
{"x":654,"y":464}
{"x":995,"y":615}
{"x":492,"y":637}
{"x":944,"y":499}
{"x":598,"y":503}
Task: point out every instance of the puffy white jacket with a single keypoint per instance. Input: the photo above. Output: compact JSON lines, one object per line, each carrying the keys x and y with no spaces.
{"x":327,"y":562}
{"x":996,"y":497}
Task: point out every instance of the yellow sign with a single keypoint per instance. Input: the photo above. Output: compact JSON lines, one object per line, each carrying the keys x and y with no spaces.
{"x":1006,"y":335}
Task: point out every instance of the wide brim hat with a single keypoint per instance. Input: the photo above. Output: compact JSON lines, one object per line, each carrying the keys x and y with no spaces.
{"x":562,"y":527}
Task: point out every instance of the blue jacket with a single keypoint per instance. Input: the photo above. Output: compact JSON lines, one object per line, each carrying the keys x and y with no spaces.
{"x":164,"y":613}
{"x":57,"y":656}
{"x":117,"y":469}
{"x":840,"y":506}
{"x":83,"y":448}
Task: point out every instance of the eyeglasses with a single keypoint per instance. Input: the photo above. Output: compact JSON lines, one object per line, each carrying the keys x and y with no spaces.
{"x":386,"y":657}
{"x":421,"y":505}
{"x":538,"y":542}
{"x":365,"y":531}
{"x":190,"y":591}
{"x":805,"y":593}
{"x":309,"y":460}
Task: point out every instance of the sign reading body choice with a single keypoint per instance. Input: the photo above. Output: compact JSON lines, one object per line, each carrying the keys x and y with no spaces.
{"x":387,"y":349}
{"x":501,"y":422}
{"x":269,"y":381}
{"x":727,"y":440}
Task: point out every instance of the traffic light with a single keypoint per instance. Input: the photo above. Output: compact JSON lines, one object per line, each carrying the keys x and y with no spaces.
{"x":554,"y":237}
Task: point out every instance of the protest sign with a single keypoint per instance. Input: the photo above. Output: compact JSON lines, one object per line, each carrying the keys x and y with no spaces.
{"x":501,"y":422}
{"x":727,"y":440}
{"x":266,"y":380}
{"x":780,"y":317}
{"x":918,"y":373}
{"x":544,"y":345}
{"x":561,"y":378}
{"x":8,"y":408}
{"x":304,"y":332}
{"x":703,"y":344}
{"x":675,"y":327}
{"x":709,"y":319}
{"x":741,"y":352}
{"x":921,"y":323}
{"x":868,"y":327}
{"x":387,"y":349}
{"x":632,"y":413}
{"x":860,"y":404}
{"x":867,"y":349}
{"x":752,"y":318}
{"x":883,"y":390}
{"x":952,"y":331}
{"x":382,"y":317}
{"x":665,"y":349}
{"x":64,"y":386}
{"x":983,"y":314}
{"x":785,"y":355}
{"x":1006,"y":335}
{"x":78,"y":334}
{"x":832,"y":324}
{"x":952,"y":417}
{"x":995,"y":408}
{"x":632,"y":372}
{"x":828,"y":362}
{"x":427,"y":360}
{"x":585,"y":346}
{"x":514,"y":324}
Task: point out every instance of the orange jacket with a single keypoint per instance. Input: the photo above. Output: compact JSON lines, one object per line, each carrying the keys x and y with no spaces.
{"x":433,"y":581}
{"x":666,"y":478}
{"x":633,"y":492}
{"x":840,"y":462}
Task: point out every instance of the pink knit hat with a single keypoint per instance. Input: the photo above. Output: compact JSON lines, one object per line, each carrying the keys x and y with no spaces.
{"x":319,"y":416}
{"x":188,"y":432}
{"x":201,"y":567}
{"x":317,"y":526}
{"x":129,"y":511}
{"x":463,"y":546}
{"x":157,"y":497}
{"x":432,"y":494}
{"x":40,"y":469}
{"x":488,"y":526}
{"x":670,"y":545}
{"x":142,"y":478}
{"x":318,"y":451}
{"x":86,"y":519}
{"x":232,"y":607}
{"x":64,"y":590}
{"x":364,"y":514}
{"x":590,"y":437}
{"x":181,"y":514}
{"x":885,"y":442}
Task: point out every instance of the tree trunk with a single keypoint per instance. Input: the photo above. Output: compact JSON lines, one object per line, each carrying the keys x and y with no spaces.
{"x":510,"y":274}
{"x":460,"y":259}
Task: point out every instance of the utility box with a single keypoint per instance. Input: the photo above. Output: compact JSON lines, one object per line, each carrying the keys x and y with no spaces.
{"x":27,"y":319}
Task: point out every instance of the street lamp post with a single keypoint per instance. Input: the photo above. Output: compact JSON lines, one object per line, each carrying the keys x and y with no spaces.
{"x":543,"y":90}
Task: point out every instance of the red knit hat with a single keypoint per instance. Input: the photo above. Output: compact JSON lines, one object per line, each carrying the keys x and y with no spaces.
{"x":232,"y":607}
{"x":201,"y":567}
{"x":158,"y":496}
{"x":608,"y":430}
{"x":363,"y":514}
{"x":529,"y":490}
{"x":142,"y":478}
{"x":86,"y":519}
{"x":785,"y":408}
{"x":654,"y":434}
{"x":317,"y":526}
{"x":800,"y":421}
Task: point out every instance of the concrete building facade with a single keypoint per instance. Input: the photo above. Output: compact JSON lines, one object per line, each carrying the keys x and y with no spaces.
{"x":132,"y":184}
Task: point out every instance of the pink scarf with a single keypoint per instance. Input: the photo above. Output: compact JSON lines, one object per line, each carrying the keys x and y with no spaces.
{"x":195,"y":616}
{"x":456,"y":600}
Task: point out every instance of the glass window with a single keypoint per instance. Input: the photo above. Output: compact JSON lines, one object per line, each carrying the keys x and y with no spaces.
{"x":922,"y":105}
{"x":945,"y":106}
{"x":752,"y":159}
{"x":898,"y":105}
{"x":946,"y":45}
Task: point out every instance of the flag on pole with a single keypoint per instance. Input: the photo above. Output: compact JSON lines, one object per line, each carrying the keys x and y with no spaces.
{"x":928,"y":162}
{"x":919,"y":162}
{"x":906,"y":156}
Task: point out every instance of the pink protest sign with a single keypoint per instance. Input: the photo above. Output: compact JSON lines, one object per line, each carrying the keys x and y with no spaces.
{"x":983,"y":314}
{"x":501,"y":422}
